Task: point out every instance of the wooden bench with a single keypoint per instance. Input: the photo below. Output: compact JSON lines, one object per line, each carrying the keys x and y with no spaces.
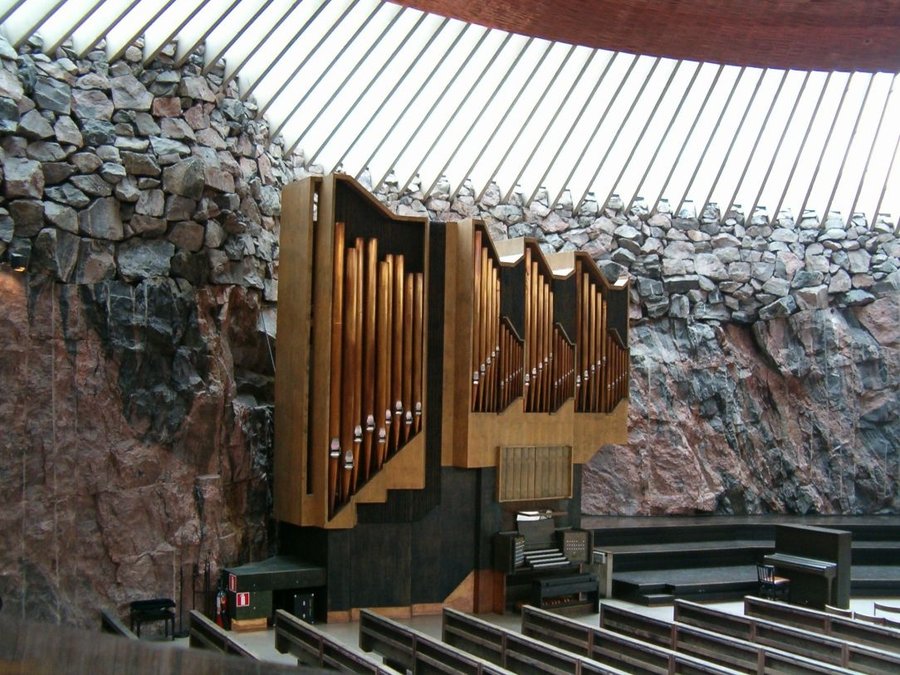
{"x":312,"y":647}
{"x":408,"y":650}
{"x":206,"y":634}
{"x":519,"y":653}
{"x":110,"y":623}
{"x":714,"y":647}
{"x":852,"y":630}
{"x":613,"y":649}
{"x":825,"y":648}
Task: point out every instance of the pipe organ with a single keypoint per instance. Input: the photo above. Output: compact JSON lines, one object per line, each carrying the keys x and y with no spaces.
{"x":377,"y":332}
{"x":524,"y":353}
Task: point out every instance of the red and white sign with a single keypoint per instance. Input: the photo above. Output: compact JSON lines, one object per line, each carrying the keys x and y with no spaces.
{"x":232,"y":583}
{"x":242,"y":599}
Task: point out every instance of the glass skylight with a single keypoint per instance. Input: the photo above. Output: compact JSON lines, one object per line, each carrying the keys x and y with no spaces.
{"x":361,"y":83}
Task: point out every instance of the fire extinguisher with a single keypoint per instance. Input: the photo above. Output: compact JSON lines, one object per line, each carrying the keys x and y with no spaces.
{"x":221,"y":606}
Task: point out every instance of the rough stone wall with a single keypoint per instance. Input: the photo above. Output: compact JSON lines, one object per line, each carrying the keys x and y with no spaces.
{"x":143,"y":205}
{"x":765,"y":356}
{"x":136,"y":403}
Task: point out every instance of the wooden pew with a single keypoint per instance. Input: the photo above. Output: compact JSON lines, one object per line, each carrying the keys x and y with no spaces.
{"x":110,"y":623}
{"x":717,"y":648}
{"x":312,"y":647}
{"x":206,"y":634}
{"x":859,"y":632}
{"x":405,"y":649}
{"x":620,"y":651}
{"x":519,"y":653}
{"x":825,"y":648}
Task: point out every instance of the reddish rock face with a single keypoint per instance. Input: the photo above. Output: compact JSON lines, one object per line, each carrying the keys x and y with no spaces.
{"x":130,"y":452}
{"x":796,"y":415}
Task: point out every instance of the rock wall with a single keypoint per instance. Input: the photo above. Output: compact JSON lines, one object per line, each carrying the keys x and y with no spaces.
{"x":141,"y":206}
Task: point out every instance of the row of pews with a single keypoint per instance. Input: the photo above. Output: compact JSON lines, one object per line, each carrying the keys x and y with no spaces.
{"x":769,"y":638}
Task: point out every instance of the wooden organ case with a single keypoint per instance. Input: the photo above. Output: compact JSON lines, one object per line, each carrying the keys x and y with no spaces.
{"x":523,"y":357}
{"x":350,"y":384}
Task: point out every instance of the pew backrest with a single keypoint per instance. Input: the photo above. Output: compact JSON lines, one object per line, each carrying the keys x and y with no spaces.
{"x":312,"y":647}
{"x":619,"y":651}
{"x":110,"y":623}
{"x":826,"y":648}
{"x":519,"y":653}
{"x":206,"y":634}
{"x":851,"y":630}
{"x":409,"y":650}
{"x":708,"y":645}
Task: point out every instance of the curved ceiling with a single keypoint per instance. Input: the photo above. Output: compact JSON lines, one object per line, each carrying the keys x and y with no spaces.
{"x":405,"y":98}
{"x":849,"y":35}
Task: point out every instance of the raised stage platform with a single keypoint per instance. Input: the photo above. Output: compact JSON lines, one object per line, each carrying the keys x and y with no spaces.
{"x":658,"y":559}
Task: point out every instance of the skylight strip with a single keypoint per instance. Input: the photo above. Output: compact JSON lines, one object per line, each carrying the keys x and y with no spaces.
{"x":548,"y":46}
{"x":362,"y":94}
{"x":612,"y":143}
{"x":28,"y":21}
{"x":124,"y":42}
{"x":812,"y":181}
{"x":654,"y":204}
{"x":439,"y":136}
{"x":211,"y":56}
{"x":350,"y":72}
{"x":233,"y":64}
{"x":397,"y":84}
{"x":152,"y":47}
{"x":662,"y":139}
{"x":284,"y":50}
{"x":584,"y":106}
{"x":11,"y":9}
{"x":843,"y":163}
{"x":752,"y":154}
{"x":802,"y":147}
{"x":426,"y":117}
{"x":540,"y":182}
{"x":103,"y":26}
{"x":186,"y":47}
{"x":483,"y":109}
{"x":549,"y":125}
{"x":527,"y":121}
{"x":781,"y":138}
{"x":887,"y":178}
{"x":67,"y":28}
{"x":865,"y":171}
{"x":736,"y":134}
{"x":287,"y":80}
{"x":412,"y":99}
{"x":640,"y":137}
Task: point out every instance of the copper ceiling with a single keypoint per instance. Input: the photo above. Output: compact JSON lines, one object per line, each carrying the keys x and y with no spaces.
{"x":845,"y":35}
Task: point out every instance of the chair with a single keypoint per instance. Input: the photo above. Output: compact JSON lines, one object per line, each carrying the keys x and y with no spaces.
{"x":839,"y":611}
{"x":770,"y":586}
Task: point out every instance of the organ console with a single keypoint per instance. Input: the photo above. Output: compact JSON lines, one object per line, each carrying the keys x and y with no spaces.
{"x":544,"y":565}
